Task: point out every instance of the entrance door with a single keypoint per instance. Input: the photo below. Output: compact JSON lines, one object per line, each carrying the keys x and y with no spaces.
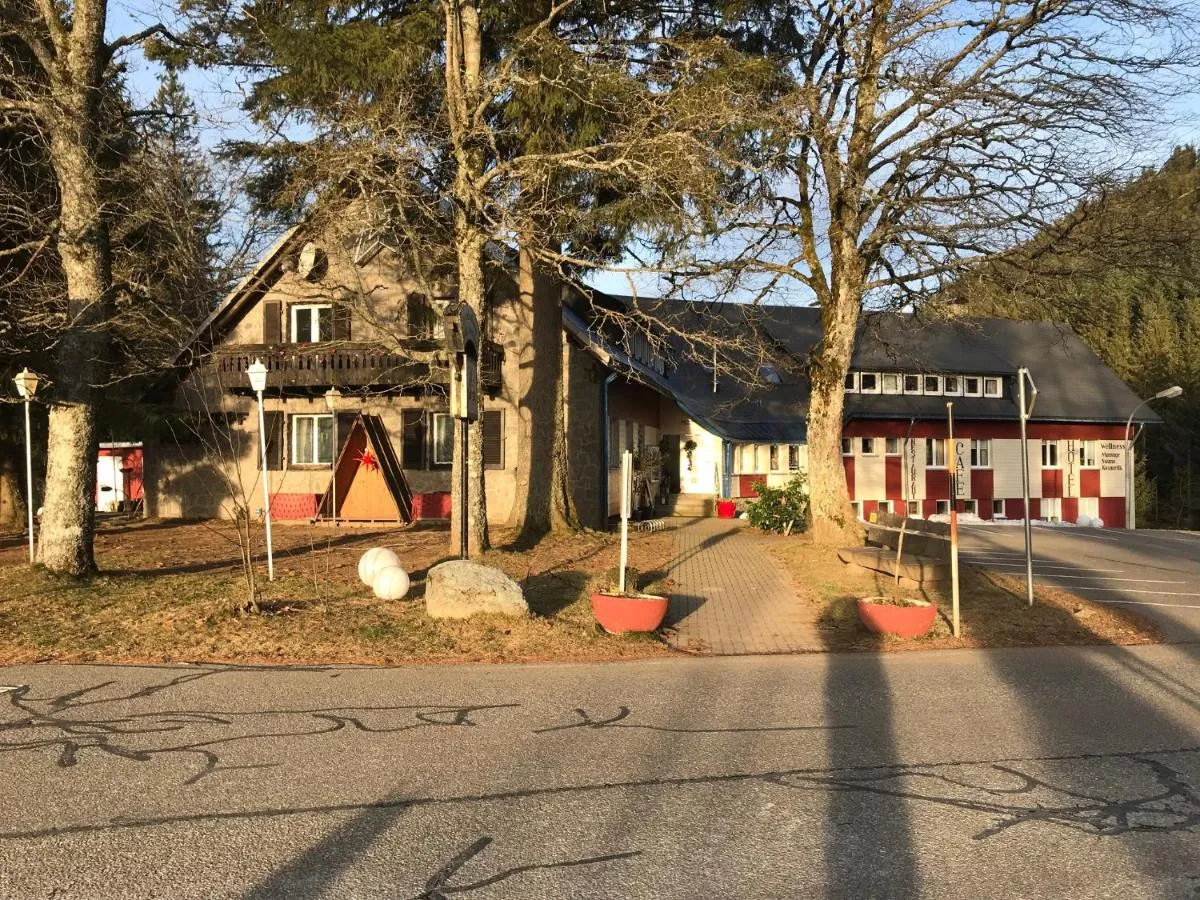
{"x":671,"y":462}
{"x":110,"y":484}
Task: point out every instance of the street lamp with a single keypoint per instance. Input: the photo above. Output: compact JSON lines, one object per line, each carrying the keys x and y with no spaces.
{"x":258,"y":383}
{"x":332,"y":396}
{"x":1130,"y":506}
{"x":27,"y":383}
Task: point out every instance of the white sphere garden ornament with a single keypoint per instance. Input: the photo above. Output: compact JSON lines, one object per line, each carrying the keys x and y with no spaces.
{"x":391,"y":583}
{"x":1097,"y":522}
{"x":1084,"y":521}
{"x":373,"y":561}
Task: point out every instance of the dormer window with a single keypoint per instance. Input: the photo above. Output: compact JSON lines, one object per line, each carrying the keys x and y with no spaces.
{"x":972,"y":386}
{"x":933,"y":384}
{"x":311,"y":323}
{"x":891,"y":383}
{"x":912,"y":384}
{"x":992,"y":387}
{"x":953,"y":385}
{"x":869,"y":382}
{"x":851,"y":382}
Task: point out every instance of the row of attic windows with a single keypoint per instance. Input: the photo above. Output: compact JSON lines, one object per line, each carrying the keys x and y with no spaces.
{"x":935,"y":385}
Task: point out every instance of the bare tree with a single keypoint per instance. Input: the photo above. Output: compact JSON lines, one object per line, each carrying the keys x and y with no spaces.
{"x":56,"y":86}
{"x":909,"y":140}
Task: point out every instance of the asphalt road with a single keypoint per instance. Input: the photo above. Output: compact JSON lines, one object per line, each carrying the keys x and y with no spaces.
{"x":1156,"y":572}
{"x":1019,"y":773}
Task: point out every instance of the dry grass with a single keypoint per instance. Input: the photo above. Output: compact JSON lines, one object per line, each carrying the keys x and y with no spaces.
{"x":992,"y":608}
{"x":171,"y":592}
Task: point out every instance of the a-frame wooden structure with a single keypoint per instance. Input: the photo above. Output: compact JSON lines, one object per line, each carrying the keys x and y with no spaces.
{"x":371,"y":486}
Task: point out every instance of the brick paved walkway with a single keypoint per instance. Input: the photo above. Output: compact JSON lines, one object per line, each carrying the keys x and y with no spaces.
{"x":730,"y":596}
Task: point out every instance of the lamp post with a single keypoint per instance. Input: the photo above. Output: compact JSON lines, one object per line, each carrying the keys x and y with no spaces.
{"x":1130,"y":505}
{"x":332,"y":396}
{"x":27,"y":383}
{"x":258,"y":383}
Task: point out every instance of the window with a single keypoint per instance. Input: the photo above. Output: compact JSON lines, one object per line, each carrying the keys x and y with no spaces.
{"x":847,"y":447}
{"x":953,"y":386}
{"x":891,"y":446}
{"x":794,"y":457}
{"x":851,"y":382}
{"x":868,"y":446}
{"x":773,"y":454}
{"x":912,"y":384}
{"x":311,"y":322}
{"x":492,"y":422}
{"x":885,"y":506}
{"x":443,"y":439}
{"x":422,"y":317}
{"x":868,"y":382}
{"x":998,"y":509}
{"x":1087,"y":454}
{"x":412,"y":439}
{"x":891,"y":383}
{"x":914,"y":509}
{"x":972,"y":386}
{"x":1049,"y":454}
{"x":614,"y":444}
{"x":971,"y":506}
{"x":312,"y":440}
{"x":935,"y":453}
{"x":981,"y":454}
{"x":769,"y":374}
{"x":941,"y":507}
{"x":933,"y":384}
{"x":857,"y":507}
{"x":991,"y":387}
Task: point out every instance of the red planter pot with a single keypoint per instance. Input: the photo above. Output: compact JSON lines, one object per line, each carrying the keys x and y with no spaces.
{"x":901,"y":621}
{"x":726,"y":509}
{"x":618,"y":615}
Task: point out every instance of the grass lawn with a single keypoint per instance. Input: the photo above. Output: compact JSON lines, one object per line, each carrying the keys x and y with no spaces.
{"x":171,"y":591}
{"x":992,"y":608}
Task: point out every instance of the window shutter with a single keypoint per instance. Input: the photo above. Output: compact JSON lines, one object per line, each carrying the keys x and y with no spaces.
{"x":493,"y":439}
{"x":341,"y":322}
{"x":272,"y":322}
{"x":345,"y":421}
{"x":412,"y":439}
{"x":274,"y":425}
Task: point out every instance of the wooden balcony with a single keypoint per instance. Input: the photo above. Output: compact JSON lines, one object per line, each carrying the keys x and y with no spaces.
{"x":343,"y":365}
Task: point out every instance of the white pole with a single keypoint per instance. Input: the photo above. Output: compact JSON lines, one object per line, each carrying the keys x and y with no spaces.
{"x":29,"y":478}
{"x":1021,"y":373}
{"x":952,"y":470}
{"x":262,"y":441}
{"x":1130,"y":501}
{"x":626,"y":501}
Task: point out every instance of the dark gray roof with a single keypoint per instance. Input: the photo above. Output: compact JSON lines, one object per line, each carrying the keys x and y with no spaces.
{"x":1074,"y":384}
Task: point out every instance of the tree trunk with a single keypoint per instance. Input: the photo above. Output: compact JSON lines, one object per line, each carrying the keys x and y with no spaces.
{"x":543,"y":496}
{"x":68,"y":522}
{"x":471,"y":292}
{"x":831,"y":518}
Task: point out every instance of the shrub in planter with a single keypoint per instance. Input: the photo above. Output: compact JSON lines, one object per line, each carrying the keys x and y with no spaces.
{"x":780,"y":510}
{"x":632,"y":610}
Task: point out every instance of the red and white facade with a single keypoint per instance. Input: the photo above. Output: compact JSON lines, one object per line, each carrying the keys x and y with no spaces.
{"x":1074,"y":469}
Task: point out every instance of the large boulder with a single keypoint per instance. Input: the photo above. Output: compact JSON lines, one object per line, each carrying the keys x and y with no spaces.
{"x":461,"y":588}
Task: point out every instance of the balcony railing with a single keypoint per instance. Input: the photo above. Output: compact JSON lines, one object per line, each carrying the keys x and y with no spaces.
{"x":344,"y":365}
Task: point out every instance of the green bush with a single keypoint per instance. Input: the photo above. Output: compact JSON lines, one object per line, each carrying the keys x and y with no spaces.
{"x":780,"y":510}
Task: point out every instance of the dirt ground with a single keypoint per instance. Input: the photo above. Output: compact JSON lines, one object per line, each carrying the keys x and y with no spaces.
{"x":176,"y":591}
{"x":992,"y":608}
